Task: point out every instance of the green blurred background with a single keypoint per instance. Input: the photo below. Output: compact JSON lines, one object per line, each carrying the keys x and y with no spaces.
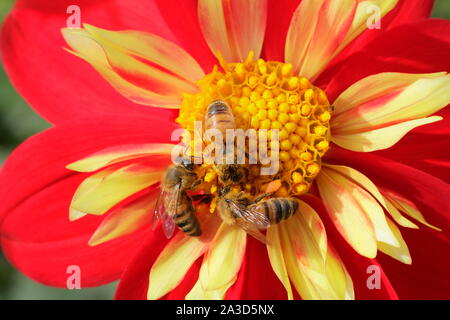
{"x":14,"y":285}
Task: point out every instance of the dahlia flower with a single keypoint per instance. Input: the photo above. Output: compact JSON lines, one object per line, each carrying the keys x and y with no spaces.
{"x":364,"y":144}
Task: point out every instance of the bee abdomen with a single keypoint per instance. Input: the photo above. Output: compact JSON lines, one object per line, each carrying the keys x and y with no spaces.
{"x":279,"y":209}
{"x":187,"y":221}
{"x":217,"y":107}
{"x":219,"y":116}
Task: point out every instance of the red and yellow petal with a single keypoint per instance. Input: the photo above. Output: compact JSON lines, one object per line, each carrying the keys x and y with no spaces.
{"x":31,"y":41}
{"x":402,"y":13}
{"x":177,"y":257}
{"x":103,"y":190}
{"x":315,"y":33}
{"x":136,"y":64}
{"x":152,"y":152}
{"x":233,"y":28}
{"x":299,"y":252}
{"x":36,"y":190}
{"x":379,"y":110}
{"x":126,"y":219}
{"x":408,"y":208}
{"x":349,"y":195}
{"x":221,"y":264}
{"x":320,"y":30}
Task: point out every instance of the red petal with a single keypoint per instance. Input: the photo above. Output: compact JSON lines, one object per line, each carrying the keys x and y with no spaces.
{"x":182,"y":19}
{"x":36,"y":191}
{"x":39,"y":240}
{"x":425,"y":149}
{"x":429,"y":270}
{"x":278,"y":20}
{"x":133,"y":283}
{"x":401,"y":49}
{"x":405,"y":12}
{"x":256,"y":279}
{"x":59,"y":86}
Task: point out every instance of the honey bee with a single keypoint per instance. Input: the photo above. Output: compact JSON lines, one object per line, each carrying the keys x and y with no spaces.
{"x":174,"y":207}
{"x":233,"y":208}
{"x":236,"y":208}
{"x":219,"y":116}
{"x":233,"y":203}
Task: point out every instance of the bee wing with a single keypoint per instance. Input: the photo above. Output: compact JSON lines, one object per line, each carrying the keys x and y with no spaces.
{"x":251,"y":230}
{"x":166,"y":208}
{"x":168,"y":226}
{"x":252,"y":217}
{"x":160,"y":208}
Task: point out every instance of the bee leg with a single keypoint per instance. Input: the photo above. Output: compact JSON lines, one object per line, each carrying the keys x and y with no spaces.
{"x":207,"y":199}
{"x":203,"y":198}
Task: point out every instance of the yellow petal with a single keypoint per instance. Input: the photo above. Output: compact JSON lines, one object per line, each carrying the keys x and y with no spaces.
{"x":348,"y":214}
{"x":224,"y":258}
{"x":138,"y":81}
{"x":374,"y":87}
{"x":370,"y":187}
{"x":317,"y":29}
{"x":125,"y":220}
{"x":338,"y":275}
{"x":400,"y":252}
{"x":398,"y":217}
{"x":409,"y":209}
{"x":75,"y":214}
{"x":152,"y":48}
{"x":314,"y":275}
{"x":364,"y":200}
{"x":276,"y":258}
{"x":389,"y":98}
{"x":360,"y":179}
{"x":177,"y":257}
{"x":233,"y":27}
{"x":103,"y":190}
{"x":363,"y":14}
{"x":379,"y":110}
{"x":379,"y":139}
{"x":118,"y":154}
{"x":198,"y":293}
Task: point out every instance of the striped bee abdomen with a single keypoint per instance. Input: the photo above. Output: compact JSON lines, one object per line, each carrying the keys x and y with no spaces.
{"x":185,"y":218}
{"x":277,"y":209}
{"x":219,"y":116}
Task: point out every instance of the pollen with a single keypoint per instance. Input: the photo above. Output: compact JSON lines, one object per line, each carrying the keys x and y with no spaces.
{"x":268,"y":95}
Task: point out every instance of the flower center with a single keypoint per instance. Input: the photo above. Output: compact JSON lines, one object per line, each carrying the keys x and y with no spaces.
{"x":266,"y":95}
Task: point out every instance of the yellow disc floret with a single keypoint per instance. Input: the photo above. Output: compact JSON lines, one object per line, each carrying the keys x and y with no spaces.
{"x":267,"y":95}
